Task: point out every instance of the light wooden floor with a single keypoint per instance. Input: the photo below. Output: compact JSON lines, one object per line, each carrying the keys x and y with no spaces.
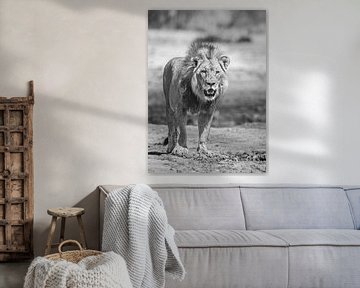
{"x":12,"y":274}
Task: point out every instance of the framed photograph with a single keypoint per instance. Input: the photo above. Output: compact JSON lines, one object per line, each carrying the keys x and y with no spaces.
{"x":207,"y":82}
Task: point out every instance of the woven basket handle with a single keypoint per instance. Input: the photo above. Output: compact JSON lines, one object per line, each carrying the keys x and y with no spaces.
{"x":69,"y":241}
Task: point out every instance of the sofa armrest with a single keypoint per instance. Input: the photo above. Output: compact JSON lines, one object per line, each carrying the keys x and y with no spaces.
{"x":103,"y":195}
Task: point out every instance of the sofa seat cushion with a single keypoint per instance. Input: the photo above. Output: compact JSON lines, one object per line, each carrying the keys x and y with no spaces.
{"x":323,"y":258}
{"x":226,"y":238}
{"x":233,"y":267}
{"x":317,"y":237}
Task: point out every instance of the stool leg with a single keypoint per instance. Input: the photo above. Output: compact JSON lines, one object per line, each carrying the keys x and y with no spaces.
{"x":62,"y":231}
{"x":51,"y":235}
{"x":82,"y":232}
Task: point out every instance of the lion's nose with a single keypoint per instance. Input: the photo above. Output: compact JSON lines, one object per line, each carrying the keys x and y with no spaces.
{"x":210,"y":84}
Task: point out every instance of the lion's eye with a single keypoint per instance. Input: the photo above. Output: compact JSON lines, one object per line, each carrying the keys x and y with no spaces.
{"x":217,"y":72}
{"x":203,"y":72}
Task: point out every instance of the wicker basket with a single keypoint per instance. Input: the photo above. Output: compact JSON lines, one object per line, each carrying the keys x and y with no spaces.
{"x":72,"y":256}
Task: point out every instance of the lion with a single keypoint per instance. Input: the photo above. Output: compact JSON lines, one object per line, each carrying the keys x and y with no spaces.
{"x":194,"y":83}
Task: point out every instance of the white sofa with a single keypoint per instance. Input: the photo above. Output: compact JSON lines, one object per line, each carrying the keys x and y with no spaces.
{"x":264,"y":236}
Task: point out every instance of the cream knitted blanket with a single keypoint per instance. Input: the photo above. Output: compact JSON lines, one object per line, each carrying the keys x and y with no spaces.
{"x":103,"y":271}
{"x":136,"y":227}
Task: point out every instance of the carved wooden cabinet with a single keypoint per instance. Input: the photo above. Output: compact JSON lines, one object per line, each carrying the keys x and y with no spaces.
{"x":16,"y":177}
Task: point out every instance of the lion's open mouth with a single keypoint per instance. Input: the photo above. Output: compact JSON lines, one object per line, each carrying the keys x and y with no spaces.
{"x":210,"y":93}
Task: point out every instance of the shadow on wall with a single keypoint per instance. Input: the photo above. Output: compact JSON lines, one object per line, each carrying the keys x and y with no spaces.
{"x":79,"y":108}
{"x":70,"y":154}
{"x":91,"y":222}
{"x":134,"y":6}
{"x":73,"y":157}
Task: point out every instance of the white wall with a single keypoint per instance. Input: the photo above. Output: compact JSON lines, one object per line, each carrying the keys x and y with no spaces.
{"x":88,"y":60}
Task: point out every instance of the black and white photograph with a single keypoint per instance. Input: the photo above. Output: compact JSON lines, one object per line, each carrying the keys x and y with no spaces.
{"x":207,"y":91}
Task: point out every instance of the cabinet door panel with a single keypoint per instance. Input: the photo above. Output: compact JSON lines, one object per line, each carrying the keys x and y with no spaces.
{"x":16,"y":118}
{"x":16,"y":183}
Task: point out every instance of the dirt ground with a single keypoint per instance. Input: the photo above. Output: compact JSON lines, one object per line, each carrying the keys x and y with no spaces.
{"x":238,"y":149}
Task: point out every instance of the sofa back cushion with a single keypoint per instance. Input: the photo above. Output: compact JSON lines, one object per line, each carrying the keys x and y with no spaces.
{"x":203,"y":208}
{"x":296,"y":208}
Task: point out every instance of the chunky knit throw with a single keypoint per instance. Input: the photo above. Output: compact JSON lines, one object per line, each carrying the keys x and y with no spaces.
{"x":136,"y":227}
{"x":103,"y":271}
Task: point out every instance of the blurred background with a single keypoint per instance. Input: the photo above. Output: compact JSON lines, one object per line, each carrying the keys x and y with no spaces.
{"x":241,"y":34}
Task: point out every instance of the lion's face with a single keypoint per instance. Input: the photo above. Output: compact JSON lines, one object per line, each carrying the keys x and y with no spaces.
{"x":209,"y":79}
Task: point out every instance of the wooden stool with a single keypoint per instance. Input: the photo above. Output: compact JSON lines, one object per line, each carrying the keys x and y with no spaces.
{"x":64,"y":213}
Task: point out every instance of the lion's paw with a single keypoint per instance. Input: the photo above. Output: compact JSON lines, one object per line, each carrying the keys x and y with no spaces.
{"x":203,"y":151}
{"x":180,"y":151}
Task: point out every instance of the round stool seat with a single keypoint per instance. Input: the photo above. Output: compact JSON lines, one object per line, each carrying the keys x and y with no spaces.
{"x":66,"y":211}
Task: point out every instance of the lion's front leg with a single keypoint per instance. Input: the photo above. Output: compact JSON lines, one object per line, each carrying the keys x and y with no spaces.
{"x":172,"y":132}
{"x":204,"y":124}
{"x":182,"y":126}
{"x":180,"y":148}
{"x":176,"y":141}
